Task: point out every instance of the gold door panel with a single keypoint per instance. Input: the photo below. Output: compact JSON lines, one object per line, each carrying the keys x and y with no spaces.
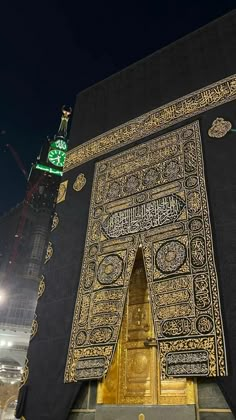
{"x":134,"y":376}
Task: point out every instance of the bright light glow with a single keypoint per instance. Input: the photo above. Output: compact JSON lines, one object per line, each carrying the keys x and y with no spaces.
{"x":2,"y":343}
{"x":9,"y":344}
{"x":59,"y":144}
{"x":2,"y":296}
{"x":48,"y":169}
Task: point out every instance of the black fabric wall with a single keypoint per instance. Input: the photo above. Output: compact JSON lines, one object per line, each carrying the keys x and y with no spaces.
{"x":196,"y":61}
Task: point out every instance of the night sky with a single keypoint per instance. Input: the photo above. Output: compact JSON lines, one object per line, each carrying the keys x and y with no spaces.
{"x":51,"y":50}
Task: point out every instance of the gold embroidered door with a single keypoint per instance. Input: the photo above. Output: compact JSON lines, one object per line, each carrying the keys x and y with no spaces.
{"x":134,"y":375}
{"x":153,"y":194}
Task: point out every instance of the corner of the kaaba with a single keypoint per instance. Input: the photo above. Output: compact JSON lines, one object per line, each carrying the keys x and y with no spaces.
{"x":190,"y":83}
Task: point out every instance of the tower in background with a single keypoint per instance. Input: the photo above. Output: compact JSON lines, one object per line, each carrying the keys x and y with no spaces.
{"x":24,"y":234}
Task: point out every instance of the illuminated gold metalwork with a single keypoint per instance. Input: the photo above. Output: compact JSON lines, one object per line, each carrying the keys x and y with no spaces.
{"x":25,"y":373}
{"x":193,"y":104}
{"x":41,"y":288}
{"x":62,"y":191}
{"x":55,"y":222}
{"x":62,"y":131}
{"x":138,"y":368}
{"x":153,"y":194}
{"x":219,"y":128}
{"x":134,"y":375}
{"x":49,"y":252}
{"x":79,"y":182}
{"x":34,"y":327}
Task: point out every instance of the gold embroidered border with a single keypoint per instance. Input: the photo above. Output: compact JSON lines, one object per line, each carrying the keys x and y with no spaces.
{"x":192,"y":104}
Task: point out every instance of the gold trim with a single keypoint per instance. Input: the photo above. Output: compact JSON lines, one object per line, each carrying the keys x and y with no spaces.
{"x":215,"y":410}
{"x":83,"y":410}
{"x":196,"y":399}
{"x":179,"y":110}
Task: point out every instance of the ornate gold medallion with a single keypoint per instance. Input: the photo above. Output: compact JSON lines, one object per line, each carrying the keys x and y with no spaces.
{"x":79,"y":182}
{"x":219,"y":128}
{"x":62,"y":191}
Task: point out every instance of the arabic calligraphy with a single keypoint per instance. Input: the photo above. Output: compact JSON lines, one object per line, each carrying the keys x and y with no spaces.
{"x":195,"y":103}
{"x":159,"y":200}
{"x":143,"y":217}
{"x":194,"y":363}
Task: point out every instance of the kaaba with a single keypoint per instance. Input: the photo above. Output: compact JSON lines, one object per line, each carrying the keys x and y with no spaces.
{"x":136,"y":314}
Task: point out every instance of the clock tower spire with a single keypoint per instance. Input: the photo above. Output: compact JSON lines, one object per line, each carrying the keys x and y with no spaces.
{"x":55,"y":157}
{"x":62,"y":131}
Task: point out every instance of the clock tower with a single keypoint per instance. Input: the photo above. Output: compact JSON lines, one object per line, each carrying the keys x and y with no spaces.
{"x":53,"y":155}
{"x":43,"y":184}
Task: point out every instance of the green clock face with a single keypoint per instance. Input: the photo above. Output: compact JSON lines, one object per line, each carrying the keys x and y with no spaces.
{"x":59,"y":144}
{"x":57,"y":157}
